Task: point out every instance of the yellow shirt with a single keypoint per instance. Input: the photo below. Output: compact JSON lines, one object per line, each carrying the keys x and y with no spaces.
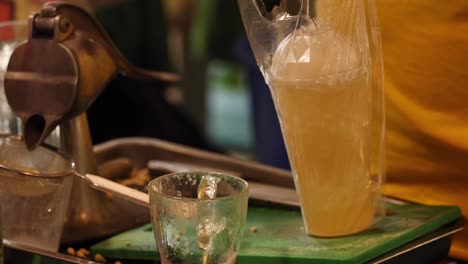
{"x":425,"y":49}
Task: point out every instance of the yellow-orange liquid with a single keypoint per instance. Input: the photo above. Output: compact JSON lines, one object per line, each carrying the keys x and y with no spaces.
{"x":325,"y":127}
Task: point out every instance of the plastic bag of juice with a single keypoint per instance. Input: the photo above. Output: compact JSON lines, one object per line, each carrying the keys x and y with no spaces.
{"x":322,"y":62}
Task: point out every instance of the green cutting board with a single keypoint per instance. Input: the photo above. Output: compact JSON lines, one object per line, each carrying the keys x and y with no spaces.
{"x":280,"y":237}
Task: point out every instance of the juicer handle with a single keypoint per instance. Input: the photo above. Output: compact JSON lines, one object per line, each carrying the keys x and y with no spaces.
{"x":117,"y":189}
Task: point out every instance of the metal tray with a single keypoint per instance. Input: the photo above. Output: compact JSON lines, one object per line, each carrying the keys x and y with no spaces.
{"x":112,"y":215}
{"x":143,"y":150}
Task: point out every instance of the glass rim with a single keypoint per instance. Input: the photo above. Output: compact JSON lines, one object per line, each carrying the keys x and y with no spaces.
{"x":20,"y":22}
{"x":151,"y":191}
{"x":71,"y":164}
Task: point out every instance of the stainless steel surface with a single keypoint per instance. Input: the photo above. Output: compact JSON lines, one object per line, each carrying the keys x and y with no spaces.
{"x":46,"y":253}
{"x":115,"y":169}
{"x":76,"y":141}
{"x":117,"y":214}
{"x":85,"y":203}
{"x":444,"y":232}
{"x":166,"y":166}
{"x":258,"y":191}
{"x":124,"y":192}
{"x":273,"y":194}
{"x":142,"y":150}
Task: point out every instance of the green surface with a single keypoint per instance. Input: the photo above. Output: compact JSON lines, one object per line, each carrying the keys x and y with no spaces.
{"x":280,"y":237}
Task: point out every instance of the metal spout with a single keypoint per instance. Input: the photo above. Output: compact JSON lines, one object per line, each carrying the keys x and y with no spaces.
{"x":35,"y":131}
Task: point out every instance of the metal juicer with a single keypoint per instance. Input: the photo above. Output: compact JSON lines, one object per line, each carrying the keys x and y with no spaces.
{"x":51,"y":81}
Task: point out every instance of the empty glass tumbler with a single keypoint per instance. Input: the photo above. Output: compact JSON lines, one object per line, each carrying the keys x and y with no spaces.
{"x":198,"y":217}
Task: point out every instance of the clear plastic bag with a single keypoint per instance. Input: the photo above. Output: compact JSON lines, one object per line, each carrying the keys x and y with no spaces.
{"x":322,"y":61}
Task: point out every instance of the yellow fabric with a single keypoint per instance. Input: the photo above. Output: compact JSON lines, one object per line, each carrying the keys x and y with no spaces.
{"x":425,"y":47}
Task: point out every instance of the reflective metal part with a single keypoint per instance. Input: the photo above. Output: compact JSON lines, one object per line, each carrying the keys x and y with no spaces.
{"x":424,"y":246}
{"x":122,"y":191}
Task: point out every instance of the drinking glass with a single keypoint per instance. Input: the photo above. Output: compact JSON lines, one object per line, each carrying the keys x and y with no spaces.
{"x":34,"y":192}
{"x":196,"y":220}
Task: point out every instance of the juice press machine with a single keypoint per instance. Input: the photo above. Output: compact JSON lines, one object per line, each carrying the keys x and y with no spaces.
{"x":51,"y":80}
